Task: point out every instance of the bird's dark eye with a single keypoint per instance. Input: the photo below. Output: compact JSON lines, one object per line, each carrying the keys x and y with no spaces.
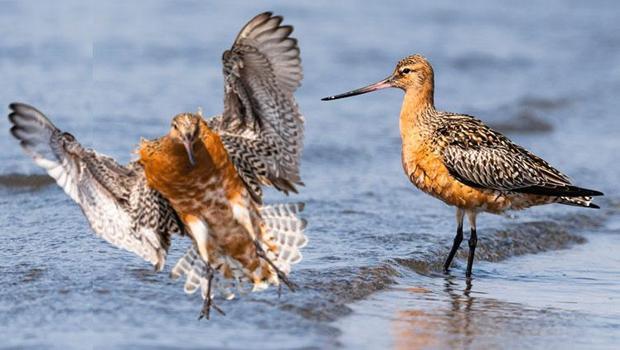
{"x":405,"y":71}
{"x":174,"y":126}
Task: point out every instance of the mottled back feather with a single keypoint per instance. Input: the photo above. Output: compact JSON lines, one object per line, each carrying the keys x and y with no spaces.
{"x":482,"y":157}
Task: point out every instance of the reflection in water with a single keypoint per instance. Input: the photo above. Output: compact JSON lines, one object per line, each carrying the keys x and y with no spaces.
{"x":452,"y":326}
{"x":454,"y":316}
{"x":459,"y":315}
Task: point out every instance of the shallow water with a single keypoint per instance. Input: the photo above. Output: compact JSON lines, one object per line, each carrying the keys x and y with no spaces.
{"x":547,"y":74}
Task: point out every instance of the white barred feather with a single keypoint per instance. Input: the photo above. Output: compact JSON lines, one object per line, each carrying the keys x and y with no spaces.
{"x":286,"y":229}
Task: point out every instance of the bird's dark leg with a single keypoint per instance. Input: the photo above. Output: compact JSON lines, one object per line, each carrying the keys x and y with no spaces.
{"x":455,"y":247}
{"x":281,"y":276}
{"x":457,"y":239}
{"x":208,"y":303}
{"x":473,"y":241}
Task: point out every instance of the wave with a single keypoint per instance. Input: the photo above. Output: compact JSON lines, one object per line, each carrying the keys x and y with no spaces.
{"x":519,"y":239}
{"x":23,"y":180}
{"x":328,"y":293}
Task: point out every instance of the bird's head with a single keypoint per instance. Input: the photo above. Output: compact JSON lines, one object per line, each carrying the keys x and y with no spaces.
{"x":185,"y":129}
{"x":412,"y":73}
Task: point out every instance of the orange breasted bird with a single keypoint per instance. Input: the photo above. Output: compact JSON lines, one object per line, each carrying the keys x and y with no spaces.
{"x":458,"y":159}
{"x":204,"y":179}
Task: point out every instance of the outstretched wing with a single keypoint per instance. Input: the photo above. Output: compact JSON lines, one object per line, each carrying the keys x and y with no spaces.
{"x":261,"y":127}
{"x":481,"y":157}
{"x":115,"y":199}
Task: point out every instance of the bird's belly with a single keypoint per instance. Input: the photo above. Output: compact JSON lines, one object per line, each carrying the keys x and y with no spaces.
{"x":204,"y":196}
{"x":428,"y":173}
{"x":226,"y":237}
{"x":231,"y":248}
{"x":195,"y":199}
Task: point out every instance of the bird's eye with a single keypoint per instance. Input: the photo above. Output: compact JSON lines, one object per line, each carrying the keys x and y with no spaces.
{"x":405,"y":71}
{"x":174,"y":126}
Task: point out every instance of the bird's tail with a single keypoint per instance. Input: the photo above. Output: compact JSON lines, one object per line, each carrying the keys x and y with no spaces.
{"x":196,"y":274}
{"x":282,"y":240}
{"x":579,"y":197}
{"x":284,"y":229}
{"x":579,"y":202}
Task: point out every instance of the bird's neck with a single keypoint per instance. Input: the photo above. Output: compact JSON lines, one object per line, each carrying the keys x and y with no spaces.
{"x":214,"y":146}
{"x":417,"y":110}
{"x":167,"y":156}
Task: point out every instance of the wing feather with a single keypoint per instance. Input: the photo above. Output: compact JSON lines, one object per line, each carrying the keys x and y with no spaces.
{"x":261,"y":127}
{"x":481,"y":157}
{"x":115,"y":199}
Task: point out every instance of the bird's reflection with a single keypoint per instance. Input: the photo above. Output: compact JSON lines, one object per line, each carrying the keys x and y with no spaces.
{"x":461,"y":298}
{"x":427,"y":327}
{"x":459,"y":316}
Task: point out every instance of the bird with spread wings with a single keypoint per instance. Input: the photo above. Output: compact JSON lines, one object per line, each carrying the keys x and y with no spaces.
{"x":261,"y":129}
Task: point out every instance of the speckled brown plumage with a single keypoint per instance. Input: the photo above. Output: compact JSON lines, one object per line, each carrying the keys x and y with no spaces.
{"x":206,"y":191}
{"x":256,"y":141}
{"x":192,"y":169}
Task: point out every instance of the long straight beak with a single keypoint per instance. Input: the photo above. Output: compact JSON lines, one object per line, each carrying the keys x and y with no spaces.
{"x":190,"y":152}
{"x":383,"y":84}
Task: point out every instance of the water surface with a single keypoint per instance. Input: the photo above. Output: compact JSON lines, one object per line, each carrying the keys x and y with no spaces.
{"x":110,"y":72}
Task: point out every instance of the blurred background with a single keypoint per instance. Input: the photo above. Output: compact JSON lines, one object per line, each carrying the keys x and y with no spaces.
{"x":546,"y":74}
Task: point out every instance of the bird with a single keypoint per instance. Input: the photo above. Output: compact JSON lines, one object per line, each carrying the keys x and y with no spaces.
{"x":191,"y":167}
{"x":260,"y":134}
{"x":459,"y":160}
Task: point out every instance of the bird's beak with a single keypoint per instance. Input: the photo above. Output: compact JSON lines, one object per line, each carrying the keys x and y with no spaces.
{"x":190,"y":153}
{"x":383,"y":84}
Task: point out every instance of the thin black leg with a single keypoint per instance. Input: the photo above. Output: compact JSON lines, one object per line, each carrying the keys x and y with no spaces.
{"x":208,"y":303}
{"x":281,"y":276}
{"x":455,"y":246}
{"x":473,"y":240}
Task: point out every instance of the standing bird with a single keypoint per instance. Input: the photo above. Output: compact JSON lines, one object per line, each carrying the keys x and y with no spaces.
{"x":259,"y":141}
{"x":466,"y":164}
